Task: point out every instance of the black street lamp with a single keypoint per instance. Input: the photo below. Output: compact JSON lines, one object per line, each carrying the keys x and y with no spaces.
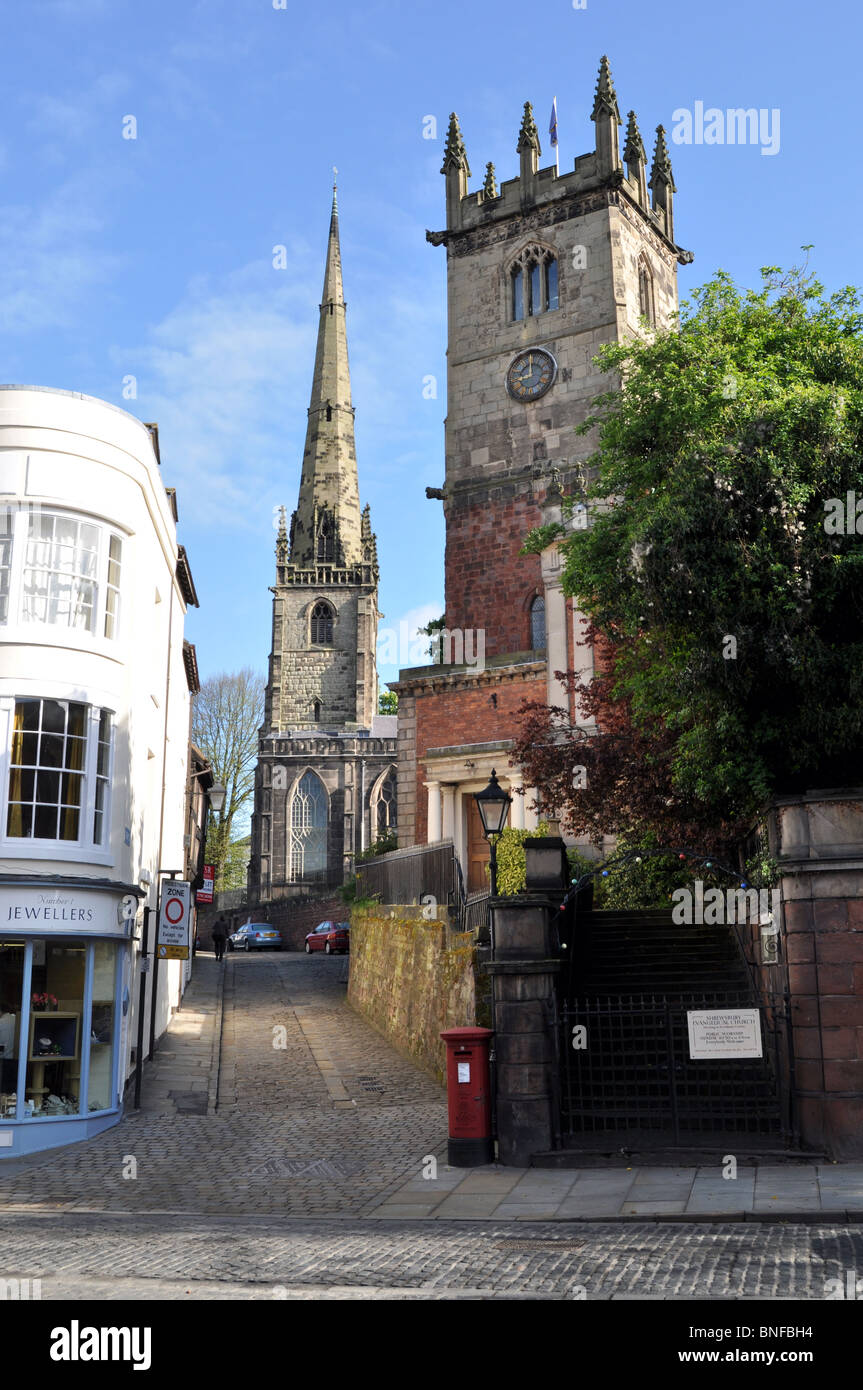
{"x":493,"y":805}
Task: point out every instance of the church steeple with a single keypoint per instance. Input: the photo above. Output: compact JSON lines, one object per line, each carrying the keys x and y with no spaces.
{"x":326,"y":524}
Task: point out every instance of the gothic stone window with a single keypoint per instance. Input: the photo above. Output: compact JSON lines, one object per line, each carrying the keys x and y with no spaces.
{"x":537,"y":624}
{"x":645,"y":292}
{"x":308,"y":844}
{"x":384,"y":811}
{"x":326,"y":540}
{"x":534,"y":283}
{"x":322,"y":624}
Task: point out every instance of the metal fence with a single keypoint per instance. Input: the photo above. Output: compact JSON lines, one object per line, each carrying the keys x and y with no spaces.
{"x":625,"y":1068}
{"x":411,"y":875}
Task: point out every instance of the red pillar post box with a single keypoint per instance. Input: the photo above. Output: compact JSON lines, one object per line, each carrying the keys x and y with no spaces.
{"x":468,"y":1096}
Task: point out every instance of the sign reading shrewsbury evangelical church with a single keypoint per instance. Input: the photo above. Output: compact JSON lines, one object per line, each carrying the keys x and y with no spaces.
{"x":723,"y":1033}
{"x":49,"y":910}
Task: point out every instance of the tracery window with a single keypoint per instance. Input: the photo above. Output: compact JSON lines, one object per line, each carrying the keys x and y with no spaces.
{"x":534,"y":283}
{"x":384,"y":811}
{"x":537,"y":624}
{"x":322,"y":624}
{"x":308,"y":845}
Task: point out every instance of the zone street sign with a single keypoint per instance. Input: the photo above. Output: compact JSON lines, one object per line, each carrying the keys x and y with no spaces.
{"x":173,"y":942}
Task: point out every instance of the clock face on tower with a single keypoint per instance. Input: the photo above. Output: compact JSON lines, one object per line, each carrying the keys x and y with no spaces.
{"x":531,"y":374}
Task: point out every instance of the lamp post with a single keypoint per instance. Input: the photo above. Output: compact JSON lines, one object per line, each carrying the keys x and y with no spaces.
{"x":493,"y":805}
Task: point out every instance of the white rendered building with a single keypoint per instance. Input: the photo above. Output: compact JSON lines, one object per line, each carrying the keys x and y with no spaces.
{"x":94,"y":728}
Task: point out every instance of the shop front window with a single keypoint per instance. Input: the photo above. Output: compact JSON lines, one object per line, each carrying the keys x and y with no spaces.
{"x":62,"y":1023}
{"x":102,"y":1026}
{"x":54,"y":1045}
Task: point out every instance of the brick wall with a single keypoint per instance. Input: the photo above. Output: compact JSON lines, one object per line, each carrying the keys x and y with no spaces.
{"x":447,"y":718}
{"x":294,"y":917}
{"x":489,"y":585}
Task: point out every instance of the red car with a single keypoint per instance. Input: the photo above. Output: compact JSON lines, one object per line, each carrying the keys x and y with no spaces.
{"x":329,"y":937}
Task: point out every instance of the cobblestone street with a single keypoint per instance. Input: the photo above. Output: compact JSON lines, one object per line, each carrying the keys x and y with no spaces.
{"x":323,"y":1118}
{"x":276,"y":1166}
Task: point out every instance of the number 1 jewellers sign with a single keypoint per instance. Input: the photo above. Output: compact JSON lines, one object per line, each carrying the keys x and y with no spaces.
{"x":60,"y":911}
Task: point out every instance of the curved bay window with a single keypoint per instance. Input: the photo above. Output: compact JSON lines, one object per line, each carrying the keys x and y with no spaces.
{"x":322,"y":624}
{"x":537,"y":624}
{"x":308,"y":842}
{"x":534,"y":283}
{"x":60,"y":570}
{"x":59,"y":772}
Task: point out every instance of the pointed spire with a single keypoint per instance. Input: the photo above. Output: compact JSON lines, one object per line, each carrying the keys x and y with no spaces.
{"x":282,"y":538}
{"x":528,"y":136}
{"x":607,"y":118}
{"x":635,"y":157}
{"x":454,"y":155}
{"x":529,"y":150}
{"x":489,"y":188}
{"x":662,"y":185}
{"x":326,"y":524}
{"x":605,"y":99}
{"x":457,"y":171}
{"x":660,"y":169}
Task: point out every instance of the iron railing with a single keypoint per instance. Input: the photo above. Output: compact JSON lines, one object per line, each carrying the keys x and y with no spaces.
{"x":626,"y":1069}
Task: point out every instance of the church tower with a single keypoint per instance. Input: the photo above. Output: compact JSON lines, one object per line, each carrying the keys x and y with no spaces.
{"x":542,"y":270}
{"x":324,"y":787}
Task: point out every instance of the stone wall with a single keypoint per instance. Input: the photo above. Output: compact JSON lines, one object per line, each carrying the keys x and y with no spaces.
{"x":294,"y":917}
{"x":412,"y":978}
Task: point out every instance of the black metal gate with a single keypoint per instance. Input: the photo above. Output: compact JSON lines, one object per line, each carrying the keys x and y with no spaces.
{"x":626,"y":1069}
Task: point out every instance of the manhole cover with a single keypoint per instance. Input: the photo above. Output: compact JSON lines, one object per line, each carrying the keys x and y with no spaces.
{"x":309,"y":1168}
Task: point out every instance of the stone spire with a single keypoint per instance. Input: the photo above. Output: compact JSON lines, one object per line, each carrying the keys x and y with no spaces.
{"x":489,"y":188}
{"x":456,"y":170}
{"x":606,"y":115}
{"x":326,"y":525}
{"x":635,"y":157}
{"x":528,"y":146}
{"x":662,"y":184}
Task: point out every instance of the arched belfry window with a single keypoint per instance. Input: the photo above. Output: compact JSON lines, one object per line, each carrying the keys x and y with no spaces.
{"x":537,"y":624}
{"x":384,"y":805}
{"x":316,"y":711}
{"x":534,"y":283}
{"x":326,"y":540}
{"x":321,"y":627}
{"x":645,"y":292}
{"x":308,"y":821}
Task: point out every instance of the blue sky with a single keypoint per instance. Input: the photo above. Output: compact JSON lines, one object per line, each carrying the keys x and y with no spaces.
{"x":152,"y":257}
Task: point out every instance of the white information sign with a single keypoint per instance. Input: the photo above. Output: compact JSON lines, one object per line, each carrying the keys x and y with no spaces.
{"x":723,"y":1033}
{"x":463,"y":1071}
{"x":174,"y":920}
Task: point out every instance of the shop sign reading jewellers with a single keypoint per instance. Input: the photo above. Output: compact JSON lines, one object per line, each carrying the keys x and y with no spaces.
{"x":61,"y":911}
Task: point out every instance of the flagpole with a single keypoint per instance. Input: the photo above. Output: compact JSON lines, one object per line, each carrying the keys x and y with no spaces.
{"x":553,"y":134}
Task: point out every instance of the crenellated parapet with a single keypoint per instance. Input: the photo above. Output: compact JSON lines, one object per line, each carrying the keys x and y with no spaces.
{"x":599,"y":171}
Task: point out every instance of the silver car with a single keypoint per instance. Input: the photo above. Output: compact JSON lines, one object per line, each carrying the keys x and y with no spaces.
{"x":256,"y":936}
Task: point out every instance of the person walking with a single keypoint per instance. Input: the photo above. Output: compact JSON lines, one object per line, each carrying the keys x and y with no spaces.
{"x":219,"y":935}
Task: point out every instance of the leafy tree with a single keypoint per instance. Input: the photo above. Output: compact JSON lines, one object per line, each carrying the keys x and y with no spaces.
{"x":726,"y":606}
{"x":388,"y":702}
{"x":226,"y":718}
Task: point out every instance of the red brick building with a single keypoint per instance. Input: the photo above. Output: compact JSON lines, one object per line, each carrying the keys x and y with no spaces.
{"x":541,"y":273}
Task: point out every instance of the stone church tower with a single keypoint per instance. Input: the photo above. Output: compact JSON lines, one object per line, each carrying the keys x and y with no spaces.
{"x":541,"y":272}
{"x":325,"y":783}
